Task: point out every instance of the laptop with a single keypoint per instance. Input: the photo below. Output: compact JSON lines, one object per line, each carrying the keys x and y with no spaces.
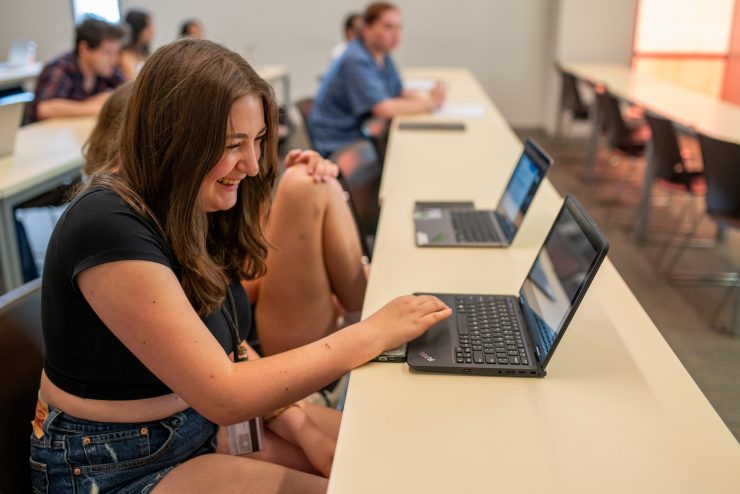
{"x":11,"y":113}
{"x":459,"y":224}
{"x":517,"y":335}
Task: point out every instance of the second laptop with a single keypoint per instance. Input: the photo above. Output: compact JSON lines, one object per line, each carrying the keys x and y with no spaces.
{"x":459,"y":224}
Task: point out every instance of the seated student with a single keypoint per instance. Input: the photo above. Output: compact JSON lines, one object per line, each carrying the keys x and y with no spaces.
{"x":323,"y":236}
{"x":364,"y":83}
{"x":191,"y":28}
{"x":100,"y":149}
{"x":352,"y":28}
{"x":144,"y":320}
{"x":136,"y":51}
{"x":77,"y":83}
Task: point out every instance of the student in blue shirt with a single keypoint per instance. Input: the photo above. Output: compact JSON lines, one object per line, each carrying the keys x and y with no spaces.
{"x":364,"y":82}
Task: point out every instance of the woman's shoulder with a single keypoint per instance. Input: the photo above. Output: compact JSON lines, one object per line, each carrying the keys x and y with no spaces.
{"x":100,"y":226}
{"x":99,"y":199}
{"x":102,"y":209}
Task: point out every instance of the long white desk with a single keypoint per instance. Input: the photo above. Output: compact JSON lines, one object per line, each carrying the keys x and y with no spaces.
{"x":617,"y":412}
{"x":19,"y":75}
{"x":47,"y":154}
{"x":689,"y":109}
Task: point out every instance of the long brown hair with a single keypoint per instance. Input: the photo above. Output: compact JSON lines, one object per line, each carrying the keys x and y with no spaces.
{"x":173,"y":134}
{"x":101,"y":149}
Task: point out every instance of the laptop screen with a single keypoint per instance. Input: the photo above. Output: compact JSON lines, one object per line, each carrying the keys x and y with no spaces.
{"x":560,"y":273}
{"x":520,"y":191}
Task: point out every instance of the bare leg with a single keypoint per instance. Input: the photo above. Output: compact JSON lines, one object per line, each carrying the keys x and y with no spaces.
{"x":315,"y":255}
{"x":236,"y":474}
{"x":327,"y":419}
{"x":275,"y":450}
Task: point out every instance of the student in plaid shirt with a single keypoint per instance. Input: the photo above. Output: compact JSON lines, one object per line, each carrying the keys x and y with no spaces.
{"x":79,"y":82}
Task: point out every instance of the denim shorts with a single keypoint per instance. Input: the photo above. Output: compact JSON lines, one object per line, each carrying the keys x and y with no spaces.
{"x":76,"y":455}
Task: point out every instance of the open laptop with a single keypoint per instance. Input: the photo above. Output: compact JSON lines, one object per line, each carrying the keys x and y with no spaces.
{"x":459,"y":224}
{"x":517,"y":335}
{"x":11,"y":112}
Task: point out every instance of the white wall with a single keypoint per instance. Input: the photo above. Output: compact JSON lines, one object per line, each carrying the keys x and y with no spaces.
{"x":588,"y":31}
{"x":508,"y":44}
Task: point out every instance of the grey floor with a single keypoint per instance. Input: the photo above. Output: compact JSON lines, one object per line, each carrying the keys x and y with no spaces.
{"x":682,"y":314}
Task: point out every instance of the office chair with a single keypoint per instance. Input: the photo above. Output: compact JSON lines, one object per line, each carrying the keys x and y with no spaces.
{"x":20,"y":368}
{"x":721,"y":167}
{"x":671,"y":174}
{"x":570,"y":102}
{"x":624,"y":139}
{"x":304,"y":108}
{"x":360,"y":172}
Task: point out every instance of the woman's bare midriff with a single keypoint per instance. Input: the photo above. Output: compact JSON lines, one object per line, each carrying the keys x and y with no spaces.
{"x":144,"y":410}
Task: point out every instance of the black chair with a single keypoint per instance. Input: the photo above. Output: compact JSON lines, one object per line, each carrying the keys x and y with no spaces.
{"x":20,"y":368}
{"x":624,"y":140}
{"x":722,"y":171}
{"x":360,"y":173}
{"x":376,"y":130}
{"x":304,"y":108}
{"x":570,"y":100}
{"x":354,"y":187}
{"x":671,"y":174}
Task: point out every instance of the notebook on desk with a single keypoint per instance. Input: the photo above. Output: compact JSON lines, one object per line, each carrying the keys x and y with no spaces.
{"x":11,"y":113}
{"x":517,"y":335}
{"x":459,"y":224}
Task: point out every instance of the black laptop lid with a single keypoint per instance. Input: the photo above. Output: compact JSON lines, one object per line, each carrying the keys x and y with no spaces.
{"x":560,"y":276}
{"x":523,"y":184}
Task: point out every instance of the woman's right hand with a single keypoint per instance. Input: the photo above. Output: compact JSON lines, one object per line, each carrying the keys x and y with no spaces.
{"x":404,"y":318}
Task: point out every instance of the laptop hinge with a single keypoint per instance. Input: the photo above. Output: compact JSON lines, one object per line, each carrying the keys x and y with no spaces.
{"x":535,"y":348}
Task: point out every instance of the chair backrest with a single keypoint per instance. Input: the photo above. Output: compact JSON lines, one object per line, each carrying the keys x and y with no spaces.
{"x":722,"y":171}
{"x":304,"y":108}
{"x":360,"y":173}
{"x":616,"y":130}
{"x":20,"y":368}
{"x":665,"y":153}
{"x":570,"y":95}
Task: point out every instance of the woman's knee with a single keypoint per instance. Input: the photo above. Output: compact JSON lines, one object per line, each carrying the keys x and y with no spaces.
{"x":296,"y":186}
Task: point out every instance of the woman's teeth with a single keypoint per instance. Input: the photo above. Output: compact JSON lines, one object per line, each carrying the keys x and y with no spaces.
{"x":228,"y":181}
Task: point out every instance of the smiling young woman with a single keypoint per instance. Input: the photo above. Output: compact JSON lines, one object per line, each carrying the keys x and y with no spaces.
{"x":143,"y":314}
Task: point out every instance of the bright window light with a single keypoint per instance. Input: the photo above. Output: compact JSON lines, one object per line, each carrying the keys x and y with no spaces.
{"x":107,"y":9}
{"x":684,"y":26}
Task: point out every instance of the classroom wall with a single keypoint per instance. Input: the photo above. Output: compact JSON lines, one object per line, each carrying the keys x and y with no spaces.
{"x":587,"y":31}
{"x":509,"y":45}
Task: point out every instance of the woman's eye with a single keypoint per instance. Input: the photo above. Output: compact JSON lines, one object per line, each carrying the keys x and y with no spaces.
{"x":233,"y":146}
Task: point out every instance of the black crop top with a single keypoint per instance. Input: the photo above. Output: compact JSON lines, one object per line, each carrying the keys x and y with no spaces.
{"x":82,"y":356}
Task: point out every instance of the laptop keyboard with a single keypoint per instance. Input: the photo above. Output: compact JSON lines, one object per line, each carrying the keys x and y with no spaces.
{"x":488,"y":332}
{"x":474,"y":226}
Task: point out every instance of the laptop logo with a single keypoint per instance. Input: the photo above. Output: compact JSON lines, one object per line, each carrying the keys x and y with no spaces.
{"x":426,"y":356}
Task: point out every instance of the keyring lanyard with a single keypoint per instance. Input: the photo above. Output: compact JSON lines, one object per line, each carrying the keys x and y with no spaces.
{"x":240,"y":351}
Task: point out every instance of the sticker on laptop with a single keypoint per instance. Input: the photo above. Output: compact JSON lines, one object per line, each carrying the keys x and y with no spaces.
{"x":428,"y":214}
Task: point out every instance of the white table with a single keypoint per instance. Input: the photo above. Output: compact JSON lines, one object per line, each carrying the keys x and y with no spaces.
{"x":689,"y":109}
{"x":617,"y":412}
{"x":47,"y":154}
{"x":19,"y":75}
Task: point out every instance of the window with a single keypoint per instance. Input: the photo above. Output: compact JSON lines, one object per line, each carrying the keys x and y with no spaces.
{"x":685,"y":41}
{"x":110,"y":10}
{"x":684,"y":26}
